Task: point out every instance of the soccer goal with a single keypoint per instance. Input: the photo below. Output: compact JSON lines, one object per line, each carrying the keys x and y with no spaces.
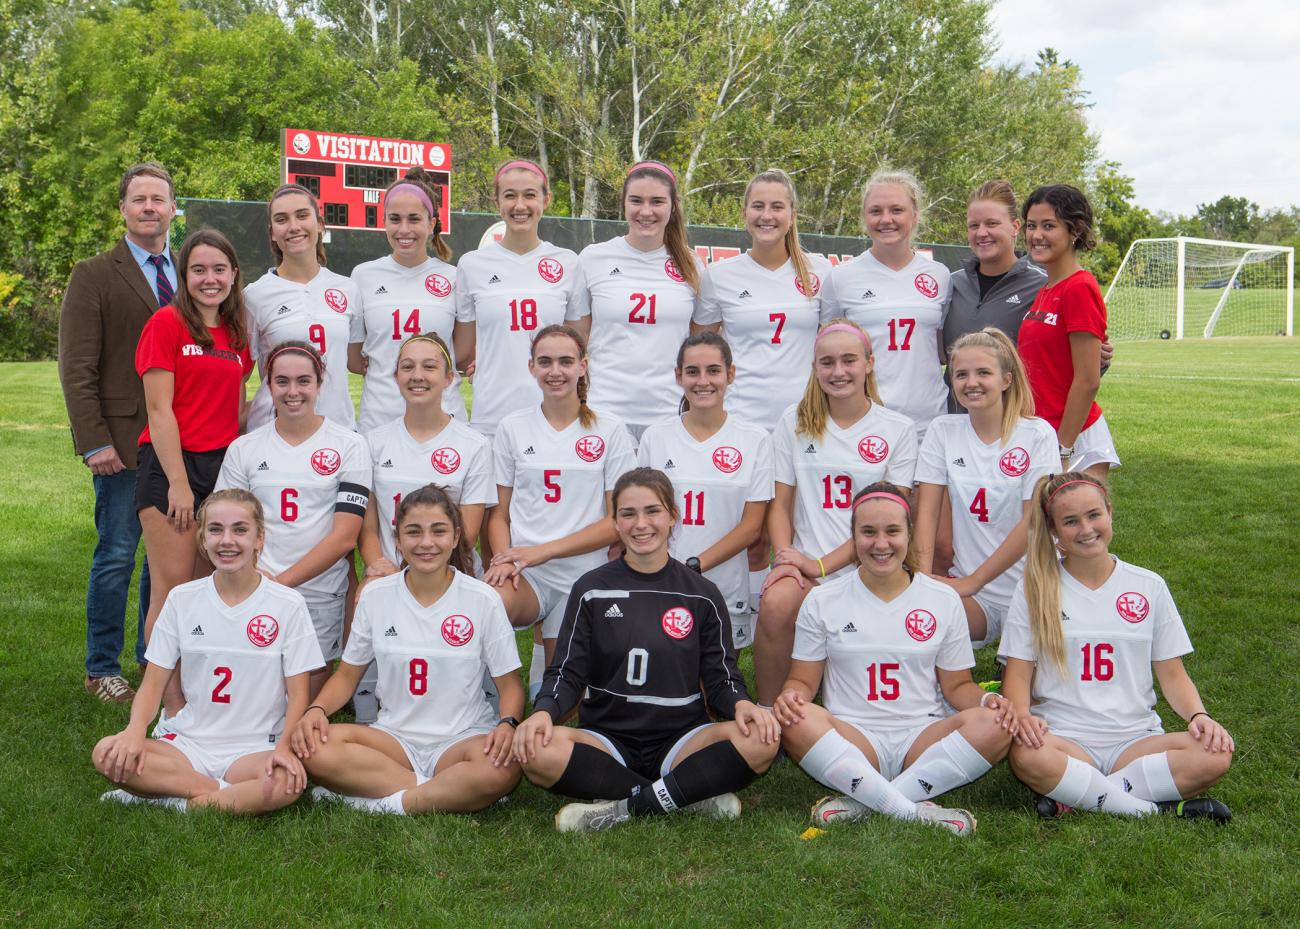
{"x":1198,"y":288}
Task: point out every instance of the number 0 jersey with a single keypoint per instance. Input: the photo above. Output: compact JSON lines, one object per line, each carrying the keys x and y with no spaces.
{"x":326,"y":313}
{"x":881,"y":657}
{"x":301,"y":487}
{"x":430,"y":660}
{"x":713,"y":480}
{"x":1112,"y":635}
{"x":234,"y":659}
{"x":399,"y":302}
{"x":988,"y":486}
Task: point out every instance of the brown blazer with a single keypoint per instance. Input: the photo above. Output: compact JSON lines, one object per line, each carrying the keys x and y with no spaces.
{"x":105,"y":307}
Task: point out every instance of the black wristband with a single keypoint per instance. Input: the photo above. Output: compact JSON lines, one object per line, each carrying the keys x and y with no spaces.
{"x":514,"y":723}
{"x":315,"y":706}
{"x":1196,"y":714}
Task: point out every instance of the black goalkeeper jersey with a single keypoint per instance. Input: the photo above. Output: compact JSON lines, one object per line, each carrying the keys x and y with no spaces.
{"x":642,"y":645}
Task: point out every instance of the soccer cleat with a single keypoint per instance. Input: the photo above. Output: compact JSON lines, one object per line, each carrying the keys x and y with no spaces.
{"x":111,"y":689}
{"x":723,"y":806}
{"x":120,"y":796}
{"x":591,"y":817}
{"x":325,"y":795}
{"x":838,"y":809}
{"x":958,"y":822}
{"x":1048,"y":808}
{"x":126,"y":797}
{"x":1198,"y":808}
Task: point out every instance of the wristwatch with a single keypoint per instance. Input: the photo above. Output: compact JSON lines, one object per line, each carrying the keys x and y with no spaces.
{"x":509,"y":719}
{"x":1066,"y":451}
{"x":694,"y":564}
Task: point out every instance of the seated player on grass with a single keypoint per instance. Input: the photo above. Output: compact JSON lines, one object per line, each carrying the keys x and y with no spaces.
{"x":246,"y":648}
{"x":1084,"y":633}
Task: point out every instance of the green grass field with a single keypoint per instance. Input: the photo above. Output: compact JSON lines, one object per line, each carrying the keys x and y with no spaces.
{"x":1210,"y":436}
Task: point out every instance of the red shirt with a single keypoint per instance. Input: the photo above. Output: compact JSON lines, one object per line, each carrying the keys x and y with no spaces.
{"x":1072,"y":305}
{"x":209,"y":382}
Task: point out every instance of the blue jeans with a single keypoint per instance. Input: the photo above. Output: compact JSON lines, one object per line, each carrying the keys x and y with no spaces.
{"x":118,"y":528}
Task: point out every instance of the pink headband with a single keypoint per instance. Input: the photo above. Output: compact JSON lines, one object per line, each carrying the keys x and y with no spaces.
{"x":520,"y":163}
{"x":850,"y":329}
{"x":1052,"y":496}
{"x":884,"y":495}
{"x":653,"y":165}
{"x":317,"y":363}
{"x":419,"y":195}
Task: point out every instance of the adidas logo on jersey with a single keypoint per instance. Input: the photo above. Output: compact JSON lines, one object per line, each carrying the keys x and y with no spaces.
{"x":1065,"y":617}
{"x":390,"y":631}
{"x":810,"y":450}
{"x":614,"y":612}
{"x":264,"y":467}
{"x":529,"y":451}
{"x":494,"y":280}
{"x":959,"y":462}
{"x":615,"y":271}
{"x":869,"y":295}
{"x":744,"y":295}
{"x":669,"y":464}
{"x":849,"y":627}
{"x":1014,"y":298}
{"x":854,"y":785}
{"x":381,"y":289}
{"x":926,"y":786}
{"x":197,"y":630}
{"x":388,"y":463}
{"x":282,"y":310}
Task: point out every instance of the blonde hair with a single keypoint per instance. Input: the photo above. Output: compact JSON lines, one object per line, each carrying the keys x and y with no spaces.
{"x":997,"y":192}
{"x":903,"y":179}
{"x":1043,"y":567}
{"x":229,"y":495}
{"x":815,"y":407}
{"x":801,"y":270}
{"x":1017,"y":399}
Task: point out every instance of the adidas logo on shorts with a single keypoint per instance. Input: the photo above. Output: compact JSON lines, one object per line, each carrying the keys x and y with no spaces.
{"x":959,"y":462}
{"x":494,"y":280}
{"x":614,"y":612}
{"x":869,"y":295}
{"x":382,"y":289}
{"x":197,"y":630}
{"x":264,"y":467}
{"x":529,"y":451}
{"x":669,"y":464}
{"x":744,"y":295}
{"x":615,"y":271}
{"x":282,"y":310}
{"x":390,"y":631}
{"x":810,"y":450}
{"x":849,"y":627}
{"x":1014,"y":299}
{"x":388,"y":463}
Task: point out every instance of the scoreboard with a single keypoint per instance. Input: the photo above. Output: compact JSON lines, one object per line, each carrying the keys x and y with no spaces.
{"x":349,"y":173}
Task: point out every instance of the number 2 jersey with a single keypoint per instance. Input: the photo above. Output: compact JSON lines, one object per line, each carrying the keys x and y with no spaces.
{"x":430,"y":660}
{"x":301,"y":487}
{"x":642,"y":647}
{"x":234,"y":659}
{"x":1112,"y":635}
{"x":988,"y":486}
{"x":712,"y":480}
{"x":881,"y":656}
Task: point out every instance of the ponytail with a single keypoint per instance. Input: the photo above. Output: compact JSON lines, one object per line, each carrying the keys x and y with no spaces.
{"x":424,"y":182}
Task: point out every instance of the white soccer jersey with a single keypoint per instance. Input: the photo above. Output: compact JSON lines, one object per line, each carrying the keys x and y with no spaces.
{"x":430,"y":660}
{"x":1112,"y":635}
{"x":234,"y":659}
{"x":770,"y":326}
{"x":457,"y":459}
{"x":988,"y":486}
{"x":827,"y":472}
{"x":559,"y":480}
{"x":903,"y":313}
{"x":397,"y":303}
{"x":713,"y":480}
{"x":881,"y":657}
{"x":326,"y":313}
{"x":509,"y":298}
{"x":641,"y":309}
{"x":301,"y":487}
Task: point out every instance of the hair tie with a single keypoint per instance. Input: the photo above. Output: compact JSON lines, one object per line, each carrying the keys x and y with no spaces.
{"x":654,"y":165}
{"x":845,"y":327}
{"x":317,"y":363}
{"x":1078,"y":480}
{"x":884,"y":495}
{"x":521,"y":163}
{"x":408,"y":187}
{"x":432,"y":341}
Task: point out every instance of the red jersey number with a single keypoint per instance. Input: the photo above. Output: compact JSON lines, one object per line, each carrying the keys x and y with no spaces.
{"x":693,"y":510}
{"x":316,"y":336}
{"x":219,"y":694}
{"x":980,"y":506}
{"x":779,"y":319}
{"x":837,"y":492}
{"x":523,"y":315}
{"x":882,"y":684}
{"x":642,"y":303}
{"x":410,"y":327}
{"x":549,"y":477}
{"x":288,"y":505}
{"x":906,"y":327}
{"x":1097,"y":665}
{"x":418,"y":677}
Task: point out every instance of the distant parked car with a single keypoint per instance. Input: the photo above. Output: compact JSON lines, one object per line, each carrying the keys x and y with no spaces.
{"x":1220,"y":283}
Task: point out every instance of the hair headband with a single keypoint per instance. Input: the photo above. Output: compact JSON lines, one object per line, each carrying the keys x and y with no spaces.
{"x":432,"y":341}
{"x":653,"y":165}
{"x":520,"y":163}
{"x":845,"y":327}
{"x":317,"y":363}
{"x":1052,"y":496}
{"x":408,"y":187}
{"x":884,"y":495}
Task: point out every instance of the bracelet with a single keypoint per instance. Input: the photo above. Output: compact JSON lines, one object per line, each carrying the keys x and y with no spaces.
{"x":1196,"y":714}
{"x":821,"y":565}
{"x":514,"y":723}
{"x":987,"y":694}
{"x":315,"y":706}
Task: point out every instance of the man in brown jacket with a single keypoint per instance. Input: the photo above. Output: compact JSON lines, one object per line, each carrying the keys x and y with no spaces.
{"x":109,"y":299}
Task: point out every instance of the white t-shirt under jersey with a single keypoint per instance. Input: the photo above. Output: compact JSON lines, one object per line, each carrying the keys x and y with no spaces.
{"x":771,"y":328}
{"x":509,"y":298}
{"x":881,"y":656}
{"x":458,"y":459}
{"x":1112,"y":635}
{"x":430,"y":660}
{"x":903,"y":313}
{"x":326,"y":313}
{"x":827,"y":472}
{"x":300,"y":488}
{"x":988,"y":486}
{"x":234,"y":659}
{"x":641,"y":310}
{"x":397,"y":303}
{"x":713,"y":480}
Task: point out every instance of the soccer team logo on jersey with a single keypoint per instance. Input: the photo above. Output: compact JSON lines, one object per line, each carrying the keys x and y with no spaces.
{"x":457,"y":630}
{"x":678,"y":622}
{"x":336,"y":300}
{"x":437,"y":285}
{"x":262,"y":630}
{"x":551,"y":270}
{"x":445,"y":460}
{"x":814,"y":280}
{"x":590,"y":447}
{"x":1014,"y":462}
{"x":1132,"y":607}
{"x":921,"y":625}
{"x":670,"y":268}
{"x":926,"y":285}
{"x":727,"y":459}
{"x":325,"y":461}
{"x":873,"y":449}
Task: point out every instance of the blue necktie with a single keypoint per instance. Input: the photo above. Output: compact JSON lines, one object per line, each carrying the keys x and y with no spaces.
{"x":164,"y":284}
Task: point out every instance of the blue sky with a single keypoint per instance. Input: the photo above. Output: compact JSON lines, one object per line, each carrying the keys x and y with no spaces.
{"x":1195,"y":99}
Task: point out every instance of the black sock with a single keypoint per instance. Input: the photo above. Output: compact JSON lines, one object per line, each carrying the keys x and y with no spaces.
{"x":715,"y":769}
{"x":595,"y":775}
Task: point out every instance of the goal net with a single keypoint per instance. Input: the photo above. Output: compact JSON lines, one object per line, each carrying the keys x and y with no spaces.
{"x":1198,"y":288}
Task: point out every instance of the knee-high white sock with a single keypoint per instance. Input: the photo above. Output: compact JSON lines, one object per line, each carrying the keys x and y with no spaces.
{"x":390,"y":804}
{"x":536,"y":670}
{"x":944,"y":766}
{"x":836,"y":762}
{"x":1085,"y":788}
{"x":1148,"y":777}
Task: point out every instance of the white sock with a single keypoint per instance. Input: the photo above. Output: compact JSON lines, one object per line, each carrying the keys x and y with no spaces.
{"x":1085,"y":788}
{"x":839,"y":764}
{"x":1148,"y":777}
{"x":390,"y":804}
{"x":222,"y":784}
{"x":536,"y":670}
{"x":944,"y":766}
